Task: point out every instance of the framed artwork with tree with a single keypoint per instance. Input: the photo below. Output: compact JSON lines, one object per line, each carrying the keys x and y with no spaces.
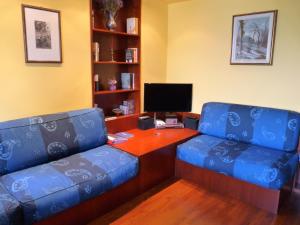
{"x":253,"y":37}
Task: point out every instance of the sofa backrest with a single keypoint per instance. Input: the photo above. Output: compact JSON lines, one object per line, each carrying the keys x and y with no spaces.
{"x":268,"y":127}
{"x":32,"y":141}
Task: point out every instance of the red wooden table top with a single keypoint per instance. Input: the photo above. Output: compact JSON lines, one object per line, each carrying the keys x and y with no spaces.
{"x":145,"y":141}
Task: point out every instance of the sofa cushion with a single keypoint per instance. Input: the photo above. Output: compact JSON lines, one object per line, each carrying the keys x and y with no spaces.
{"x":53,"y":187}
{"x":258,"y":165}
{"x":29,"y":142}
{"x":273,"y":128}
{"x":10,"y":210}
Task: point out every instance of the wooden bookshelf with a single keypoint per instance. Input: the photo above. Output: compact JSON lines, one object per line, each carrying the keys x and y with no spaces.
{"x":108,"y":67}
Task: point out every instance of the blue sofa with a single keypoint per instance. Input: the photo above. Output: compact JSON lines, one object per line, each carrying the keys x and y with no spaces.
{"x":51,"y":163}
{"x":253,"y":144}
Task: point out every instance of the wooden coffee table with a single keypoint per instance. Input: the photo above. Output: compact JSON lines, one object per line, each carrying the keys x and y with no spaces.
{"x":156,"y":150}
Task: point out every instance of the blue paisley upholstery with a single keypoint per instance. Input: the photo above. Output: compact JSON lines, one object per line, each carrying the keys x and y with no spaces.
{"x":10,"y":210}
{"x":262,"y":166}
{"x":267,"y":127}
{"x":50,"y":188}
{"x":33,"y":141}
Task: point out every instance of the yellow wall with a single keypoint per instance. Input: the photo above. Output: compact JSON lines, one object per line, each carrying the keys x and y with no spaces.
{"x":199,"y":45}
{"x":30,"y":89}
{"x":154,"y":41}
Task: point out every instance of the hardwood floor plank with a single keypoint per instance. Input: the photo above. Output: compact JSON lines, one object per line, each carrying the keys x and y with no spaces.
{"x":178,"y":202}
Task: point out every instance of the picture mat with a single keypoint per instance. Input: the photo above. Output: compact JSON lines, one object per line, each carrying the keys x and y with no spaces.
{"x":52,"y":19}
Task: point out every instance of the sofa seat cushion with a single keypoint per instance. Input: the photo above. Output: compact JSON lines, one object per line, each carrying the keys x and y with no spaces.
{"x":10,"y":209}
{"x":53,"y":187}
{"x":258,"y":165}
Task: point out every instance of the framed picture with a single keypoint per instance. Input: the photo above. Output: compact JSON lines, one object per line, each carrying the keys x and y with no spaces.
{"x":253,"y":38}
{"x":42,"y":35}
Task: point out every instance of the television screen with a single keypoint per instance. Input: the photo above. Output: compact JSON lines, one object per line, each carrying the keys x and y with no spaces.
{"x":168,"y":97}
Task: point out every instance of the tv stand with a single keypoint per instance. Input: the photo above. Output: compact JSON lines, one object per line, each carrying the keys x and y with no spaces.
{"x":156,"y":150}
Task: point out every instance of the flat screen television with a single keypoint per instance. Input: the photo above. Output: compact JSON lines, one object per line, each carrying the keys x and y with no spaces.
{"x":168,"y":97}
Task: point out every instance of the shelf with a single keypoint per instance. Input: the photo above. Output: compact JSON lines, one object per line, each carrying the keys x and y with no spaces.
{"x":115,"y":63}
{"x":115,"y":92}
{"x":114,"y":118}
{"x":104,"y":31}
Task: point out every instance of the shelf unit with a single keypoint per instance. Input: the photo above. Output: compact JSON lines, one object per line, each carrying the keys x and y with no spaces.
{"x":119,"y":41}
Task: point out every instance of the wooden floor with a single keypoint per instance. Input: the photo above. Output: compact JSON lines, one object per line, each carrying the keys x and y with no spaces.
{"x":180,"y":202}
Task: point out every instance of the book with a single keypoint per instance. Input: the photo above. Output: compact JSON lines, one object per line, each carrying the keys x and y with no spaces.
{"x":127,"y":80}
{"x":118,"y":137}
{"x":132,"y":25}
{"x":96,"y":51}
{"x":124,"y":134}
{"x":115,"y":139}
{"x":131,"y":55}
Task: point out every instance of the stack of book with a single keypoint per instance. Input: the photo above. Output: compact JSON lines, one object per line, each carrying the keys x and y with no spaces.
{"x":127,"y":107}
{"x":127,"y":80}
{"x":132,"y":55}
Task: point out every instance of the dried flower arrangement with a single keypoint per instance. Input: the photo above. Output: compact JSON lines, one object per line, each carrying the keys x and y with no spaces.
{"x":110,"y":8}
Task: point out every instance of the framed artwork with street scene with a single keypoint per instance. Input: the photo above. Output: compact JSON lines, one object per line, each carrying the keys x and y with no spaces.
{"x":253,"y":38}
{"x":42,"y":35}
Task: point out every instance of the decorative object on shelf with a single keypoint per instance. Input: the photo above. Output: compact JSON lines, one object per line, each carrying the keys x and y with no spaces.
{"x":127,"y":80}
{"x":132,"y":25}
{"x":253,"y":38}
{"x":96,"y":51}
{"x":110,"y":9}
{"x":117,"y":111}
{"x":112,"y":83}
{"x":131,"y":55}
{"x":42,"y":35}
{"x":97,"y":83}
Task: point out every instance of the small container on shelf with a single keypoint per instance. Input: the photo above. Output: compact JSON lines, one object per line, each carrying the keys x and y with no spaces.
{"x":97,"y":82}
{"x":117,"y":111}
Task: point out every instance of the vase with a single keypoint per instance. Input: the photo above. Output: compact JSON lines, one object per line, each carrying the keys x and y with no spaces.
{"x":111,"y":22}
